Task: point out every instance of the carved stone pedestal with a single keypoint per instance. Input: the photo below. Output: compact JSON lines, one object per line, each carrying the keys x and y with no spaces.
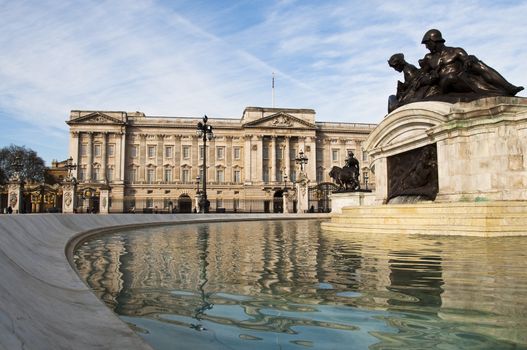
{"x":104,"y":201}
{"x":69,"y":199}
{"x":14,"y":195}
{"x":302,"y":197}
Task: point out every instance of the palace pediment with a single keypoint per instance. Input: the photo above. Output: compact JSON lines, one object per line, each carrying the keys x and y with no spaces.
{"x":280,"y":120}
{"x":95,"y":118}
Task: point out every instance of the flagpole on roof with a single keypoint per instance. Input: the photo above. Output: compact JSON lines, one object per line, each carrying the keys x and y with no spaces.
{"x":273,"y":90}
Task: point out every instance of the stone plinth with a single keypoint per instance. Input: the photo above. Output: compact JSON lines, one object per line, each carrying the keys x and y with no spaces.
{"x":104,"y":201}
{"x":302,"y":193}
{"x":481,"y":147}
{"x":69,"y":197}
{"x":351,"y":199}
{"x":14,"y":195}
{"x":488,"y":219}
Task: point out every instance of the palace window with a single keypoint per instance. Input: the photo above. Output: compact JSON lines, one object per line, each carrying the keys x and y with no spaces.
{"x":97,"y":149}
{"x":168,"y":151}
{"x":220,"y":175}
{"x":280,"y":153}
{"x":185,"y":176}
{"x":97,"y":174}
{"x":219,"y":203}
{"x":132,"y":175}
{"x":133,"y":151}
{"x":265,"y":174}
{"x":335,"y":155}
{"x":236,"y":152}
{"x":168,"y":175}
{"x":111,"y":150}
{"x":220,"y":152}
{"x":83,"y":149}
{"x":109,"y":174}
{"x":237,"y":176}
{"x":265,"y":152}
{"x":186,"y":152}
{"x":150,"y":175}
{"x":82,"y":174}
{"x":151,"y":151}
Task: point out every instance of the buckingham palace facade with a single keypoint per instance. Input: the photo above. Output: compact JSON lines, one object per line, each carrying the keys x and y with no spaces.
{"x":155,"y":163}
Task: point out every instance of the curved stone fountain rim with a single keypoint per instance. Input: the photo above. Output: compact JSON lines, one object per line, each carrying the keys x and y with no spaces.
{"x":45,"y":304}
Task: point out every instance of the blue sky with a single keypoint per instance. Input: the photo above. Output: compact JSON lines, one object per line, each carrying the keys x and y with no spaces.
{"x":189,"y":58}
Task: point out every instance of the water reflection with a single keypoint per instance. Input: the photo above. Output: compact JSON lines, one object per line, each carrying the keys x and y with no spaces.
{"x":287,"y":284}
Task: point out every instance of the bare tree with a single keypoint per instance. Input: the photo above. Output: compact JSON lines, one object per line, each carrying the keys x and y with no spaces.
{"x":33,"y":167}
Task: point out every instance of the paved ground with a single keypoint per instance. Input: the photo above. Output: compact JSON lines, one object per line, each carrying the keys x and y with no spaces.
{"x":43,"y":302}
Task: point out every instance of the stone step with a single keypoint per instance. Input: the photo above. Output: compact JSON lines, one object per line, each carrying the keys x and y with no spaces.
{"x":481,"y":219}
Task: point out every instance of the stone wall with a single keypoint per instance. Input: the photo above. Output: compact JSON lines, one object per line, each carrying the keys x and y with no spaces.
{"x":480,"y":147}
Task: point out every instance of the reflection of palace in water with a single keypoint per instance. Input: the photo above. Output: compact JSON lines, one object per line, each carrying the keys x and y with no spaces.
{"x":434,"y":277}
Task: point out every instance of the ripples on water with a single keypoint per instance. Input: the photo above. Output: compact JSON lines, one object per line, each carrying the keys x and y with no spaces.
{"x":289,"y":285}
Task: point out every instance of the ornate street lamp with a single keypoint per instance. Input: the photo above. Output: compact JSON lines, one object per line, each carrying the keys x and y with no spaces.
{"x":197,"y":184}
{"x":301,"y":159}
{"x":205,"y":132}
{"x":366,"y":180}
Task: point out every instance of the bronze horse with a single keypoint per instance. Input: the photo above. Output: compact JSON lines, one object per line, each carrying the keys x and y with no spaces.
{"x":346,"y":178}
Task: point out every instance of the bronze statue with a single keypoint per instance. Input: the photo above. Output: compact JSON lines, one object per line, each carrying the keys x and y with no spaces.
{"x":347,"y":177}
{"x":446,"y":74}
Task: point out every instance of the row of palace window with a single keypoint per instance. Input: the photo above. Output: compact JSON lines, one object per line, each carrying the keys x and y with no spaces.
{"x":97,"y":149}
{"x":220,"y":152}
{"x":185,"y":175}
{"x":96,"y":174}
{"x":186,"y":151}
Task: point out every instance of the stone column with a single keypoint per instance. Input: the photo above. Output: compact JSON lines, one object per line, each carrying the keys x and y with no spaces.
{"x":310,"y":150}
{"x":285,"y":200}
{"x":142,"y":158}
{"x":159,"y":157}
{"x":272,"y":162}
{"x":14,"y":195}
{"x":176,"y":176}
{"x":104,"y":161}
{"x":122,"y":157}
{"x":287,"y":161}
{"x":259,"y":158}
{"x":328,"y":162}
{"x":69,"y":197}
{"x":247,"y":162}
{"x":229,"y":159}
{"x":74,"y":150}
{"x":89,"y":166}
{"x":211,"y":162}
{"x":104,"y":200}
